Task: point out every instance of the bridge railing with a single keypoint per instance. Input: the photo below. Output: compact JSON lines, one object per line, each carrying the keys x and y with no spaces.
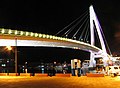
{"x":39,"y":35}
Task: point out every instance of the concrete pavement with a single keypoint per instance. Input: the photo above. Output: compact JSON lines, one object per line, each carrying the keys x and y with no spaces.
{"x":59,"y":82}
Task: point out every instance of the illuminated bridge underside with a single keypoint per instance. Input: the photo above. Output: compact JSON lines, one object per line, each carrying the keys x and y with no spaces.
{"x":9,"y":40}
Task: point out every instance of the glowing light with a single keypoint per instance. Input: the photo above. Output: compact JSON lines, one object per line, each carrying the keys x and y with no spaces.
{"x":54,"y":62}
{"x":55,"y":37}
{"x":27,"y":33}
{"x":31,"y":34}
{"x":36,"y":34}
{"x":47,"y":36}
{"x":9,"y":47}
{"x":3,"y":31}
{"x":74,"y":37}
{"x":16,"y":32}
{"x":51,"y":36}
{"x":10,"y":31}
{"x":3,"y":65}
{"x":58,"y":38}
{"x":61,"y":38}
{"x":65,"y":39}
{"x":76,"y":48}
{"x":21,"y":33}
{"x":44,"y":36}
{"x":81,"y":39}
{"x":40,"y":35}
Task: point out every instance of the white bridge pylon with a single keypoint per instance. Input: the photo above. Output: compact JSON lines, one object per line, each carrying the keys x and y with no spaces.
{"x":103,"y":54}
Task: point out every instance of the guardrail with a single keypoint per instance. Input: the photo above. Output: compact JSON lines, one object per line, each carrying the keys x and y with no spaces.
{"x":41,"y":75}
{"x":63,"y":75}
{"x":3,"y":74}
{"x":94,"y":75}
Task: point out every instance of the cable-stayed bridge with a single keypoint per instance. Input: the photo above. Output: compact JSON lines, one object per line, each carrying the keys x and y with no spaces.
{"x":10,"y":37}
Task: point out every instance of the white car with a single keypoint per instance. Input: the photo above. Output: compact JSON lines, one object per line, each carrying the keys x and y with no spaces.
{"x":113,"y":70}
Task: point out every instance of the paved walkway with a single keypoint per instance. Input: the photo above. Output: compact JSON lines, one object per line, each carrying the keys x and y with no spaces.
{"x":59,"y":82}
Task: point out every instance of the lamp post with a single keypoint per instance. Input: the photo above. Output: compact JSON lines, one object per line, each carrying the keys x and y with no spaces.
{"x":9,"y":48}
{"x":16,"y":55}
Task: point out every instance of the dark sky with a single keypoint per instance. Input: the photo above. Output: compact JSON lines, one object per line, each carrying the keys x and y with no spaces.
{"x":49,"y":17}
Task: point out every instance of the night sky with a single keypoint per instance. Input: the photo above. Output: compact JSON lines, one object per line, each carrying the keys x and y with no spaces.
{"x":49,"y":17}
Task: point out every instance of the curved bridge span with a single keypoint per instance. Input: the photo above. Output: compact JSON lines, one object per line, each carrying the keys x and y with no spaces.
{"x":10,"y":37}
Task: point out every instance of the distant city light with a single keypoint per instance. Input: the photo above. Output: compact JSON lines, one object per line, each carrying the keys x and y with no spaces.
{"x":54,"y":62}
{"x":3,"y":65}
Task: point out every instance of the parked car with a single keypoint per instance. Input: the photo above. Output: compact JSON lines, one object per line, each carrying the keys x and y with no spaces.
{"x":113,"y":70}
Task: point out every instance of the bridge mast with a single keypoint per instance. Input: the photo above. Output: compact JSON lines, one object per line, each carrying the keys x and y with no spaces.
{"x":93,"y":18}
{"x":92,"y":36}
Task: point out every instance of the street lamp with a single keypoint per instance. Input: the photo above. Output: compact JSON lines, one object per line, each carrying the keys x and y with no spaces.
{"x":10,"y":48}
